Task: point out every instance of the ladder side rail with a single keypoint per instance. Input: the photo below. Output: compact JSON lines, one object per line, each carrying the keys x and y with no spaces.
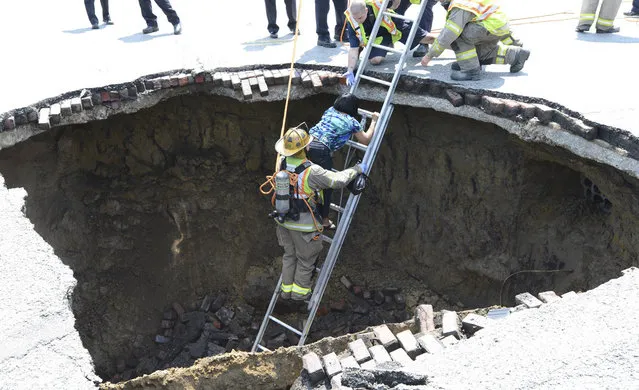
{"x":340,"y":235}
{"x":267,"y":316}
{"x":369,"y":45}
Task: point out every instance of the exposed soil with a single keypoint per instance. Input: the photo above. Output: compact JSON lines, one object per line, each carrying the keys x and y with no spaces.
{"x":162,"y":206}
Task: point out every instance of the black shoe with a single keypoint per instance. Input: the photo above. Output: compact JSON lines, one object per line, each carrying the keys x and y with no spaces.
{"x":108,"y":21}
{"x":326,"y":42}
{"x":455,"y":65}
{"x":609,"y":31}
{"x":631,"y":14}
{"x":177,"y":29}
{"x":520,"y":59}
{"x":340,"y":37}
{"x":421,"y":50}
{"x":466,"y":75}
{"x":273,"y":35}
{"x":293,"y":31}
{"x":582,"y":28}
{"x":150,"y":29}
{"x":95,"y":26}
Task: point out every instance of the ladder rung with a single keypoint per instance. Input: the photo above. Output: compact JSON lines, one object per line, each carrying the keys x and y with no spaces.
{"x":388,"y":48}
{"x":398,"y":16}
{"x":326,"y":238}
{"x":356,"y":145}
{"x":285,"y":325}
{"x":337,"y":208}
{"x":263,"y":348}
{"x":376,"y":80}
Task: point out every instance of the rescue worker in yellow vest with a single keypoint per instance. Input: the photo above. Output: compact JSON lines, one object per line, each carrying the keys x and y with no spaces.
{"x":360,"y":17}
{"x":606,"y":19}
{"x":300,"y":238}
{"x":474,"y":29}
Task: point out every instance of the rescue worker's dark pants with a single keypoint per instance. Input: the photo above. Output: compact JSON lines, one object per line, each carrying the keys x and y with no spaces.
{"x":635,"y":6}
{"x":90,"y":7}
{"x":477,"y":44}
{"x":426,"y":22}
{"x":321,"y":18}
{"x":165,"y":6}
{"x":320,"y":154}
{"x":404,"y":27}
{"x":271,"y":15}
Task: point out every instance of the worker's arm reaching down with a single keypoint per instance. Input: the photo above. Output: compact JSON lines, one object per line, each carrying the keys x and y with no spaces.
{"x":456,"y":21}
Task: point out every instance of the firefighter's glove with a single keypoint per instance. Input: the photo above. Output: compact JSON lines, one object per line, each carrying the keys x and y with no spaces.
{"x":350,"y":77}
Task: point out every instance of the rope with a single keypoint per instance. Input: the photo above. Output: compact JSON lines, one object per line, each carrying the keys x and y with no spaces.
{"x":501,"y":291}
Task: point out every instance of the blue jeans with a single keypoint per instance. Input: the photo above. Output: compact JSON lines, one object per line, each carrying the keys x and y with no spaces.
{"x":90,"y":7}
{"x":427,"y":17}
{"x":635,"y":6}
{"x":320,"y":154}
{"x":321,"y":17}
{"x":165,"y":6}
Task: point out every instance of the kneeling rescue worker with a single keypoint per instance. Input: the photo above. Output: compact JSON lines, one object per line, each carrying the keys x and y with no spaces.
{"x":299,"y":188}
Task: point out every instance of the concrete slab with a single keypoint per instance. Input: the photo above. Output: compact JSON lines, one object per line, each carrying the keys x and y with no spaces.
{"x":574,"y":70}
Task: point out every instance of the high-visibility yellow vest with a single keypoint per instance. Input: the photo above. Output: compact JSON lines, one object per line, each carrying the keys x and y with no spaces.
{"x":387,"y":23}
{"x":487,"y":13}
{"x":306,"y":222}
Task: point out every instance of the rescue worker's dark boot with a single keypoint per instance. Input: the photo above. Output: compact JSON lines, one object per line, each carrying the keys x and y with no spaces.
{"x":420,"y":51}
{"x":582,"y":28}
{"x":455,"y":65}
{"x":520,"y":59}
{"x":609,"y":31}
{"x":466,"y":75}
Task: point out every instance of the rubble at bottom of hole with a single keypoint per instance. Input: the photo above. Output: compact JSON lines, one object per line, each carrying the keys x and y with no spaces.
{"x":210,"y":327}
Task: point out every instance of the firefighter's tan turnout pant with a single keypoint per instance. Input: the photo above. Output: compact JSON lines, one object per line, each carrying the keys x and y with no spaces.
{"x":607,"y":14}
{"x":300,"y":253}
{"x":476,"y":43}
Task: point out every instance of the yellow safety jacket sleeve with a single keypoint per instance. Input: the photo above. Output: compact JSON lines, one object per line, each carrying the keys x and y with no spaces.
{"x":320,"y":178}
{"x":456,"y":20}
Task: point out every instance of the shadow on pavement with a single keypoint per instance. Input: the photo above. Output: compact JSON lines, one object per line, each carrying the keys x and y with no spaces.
{"x":139,"y":37}
{"x":606,"y":38}
{"x":261,"y":43}
{"x":320,"y":54}
{"x":78,"y":30}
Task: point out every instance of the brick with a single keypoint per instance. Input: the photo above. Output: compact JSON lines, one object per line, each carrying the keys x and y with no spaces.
{"x":242,"y":75}
{"x":133,"y":92}
{"x":498,"y":314}
{"x":408,"y":343}
{"x":114,"y":95}
{"x":261,"y":84}
{"x":449,"y":341}
{"x":474,"y":322}
{"x":349,"y":362}
{"x":218,"y":302}
{"x":543,"y":113}
{"x":165,"y":82}
{"x":174,"y":80}
{"x":306,"y":79}
{"x":140,"y":87}
{"x":179,"y":311}
{"x":450,"y":323}
{"x":76,"y":104}
{"x":32,"y":115}
{"x":43,"y":118}
{"x":268,"y":77}
{"x":124,"y":93}
{"x":430,"y":344}
{"x":183,"y":80}
{"x":106,"y":97}
{"x":297,"y":77}
{"x":425,"y":318}
{"x":21,"y":119}
{"x":511,"y":108}
{"x":87,"y":102}
{"x":435,"y":90}
{"x":149,"y":85}
{"x":208,"y":77}
{"x":236,"y":82}
{"x":258,"y":72}
{"x":492,"y":105}
{"x":331,"y":364}
{"x":190,"y":79}
{"x":169,"y":315}
{"x":55,"y":113}
{"x":96,"y":98}
{"x":471,"y":99}
{"x":218,"y":79}
{"x":385,"y":337}
{"x":225,"y":315}
{"x":569,"y":294}
{"x":313,"y":366}
{"x":527,"y":110}
{"x":528,"y":299}
{"x":9,"y":123}
{"x":359,"y":351}
{"x":162,"y":339}
{"x":358,"y":290}
{"x":548,"y":297}
{"x":253,"y":81}
{"x":336,"y":382}
{"x":578,"y":127}
{"x":333,"y":78}
{"x":247,"y":92}
{"x":379,"y":354}
{"x":206,"y":303}
{"x":199,"y":79}
{"x":369,"y":365}
{"x":346,"y":282}
{"x":316,"y":82}
{"x":283,"y":76}
{"x":454,"y":98}
{"x":400,"y":356}
{"x":226,"y":79}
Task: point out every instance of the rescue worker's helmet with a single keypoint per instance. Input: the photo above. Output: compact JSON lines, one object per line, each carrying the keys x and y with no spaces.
{"x":294,"y":140}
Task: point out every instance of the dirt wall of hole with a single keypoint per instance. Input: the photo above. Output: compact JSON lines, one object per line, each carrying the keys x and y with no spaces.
{"x":162,"y":206}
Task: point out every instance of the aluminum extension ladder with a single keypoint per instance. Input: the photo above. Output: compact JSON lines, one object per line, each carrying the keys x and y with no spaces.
{"x":346,"y":213}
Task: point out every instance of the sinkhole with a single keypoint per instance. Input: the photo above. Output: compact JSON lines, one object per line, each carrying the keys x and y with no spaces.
{"x":162,"y":206}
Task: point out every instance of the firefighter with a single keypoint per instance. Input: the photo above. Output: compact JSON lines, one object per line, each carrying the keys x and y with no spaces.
{"x":299,"y":233}
{"x":474,"y":29}
{"x":606,"y":19}
{"x":361,"y":16}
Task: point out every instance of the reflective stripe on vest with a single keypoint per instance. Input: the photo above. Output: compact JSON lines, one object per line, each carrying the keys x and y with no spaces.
{"x":487,"y":14}
{"x":387,"y":23}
